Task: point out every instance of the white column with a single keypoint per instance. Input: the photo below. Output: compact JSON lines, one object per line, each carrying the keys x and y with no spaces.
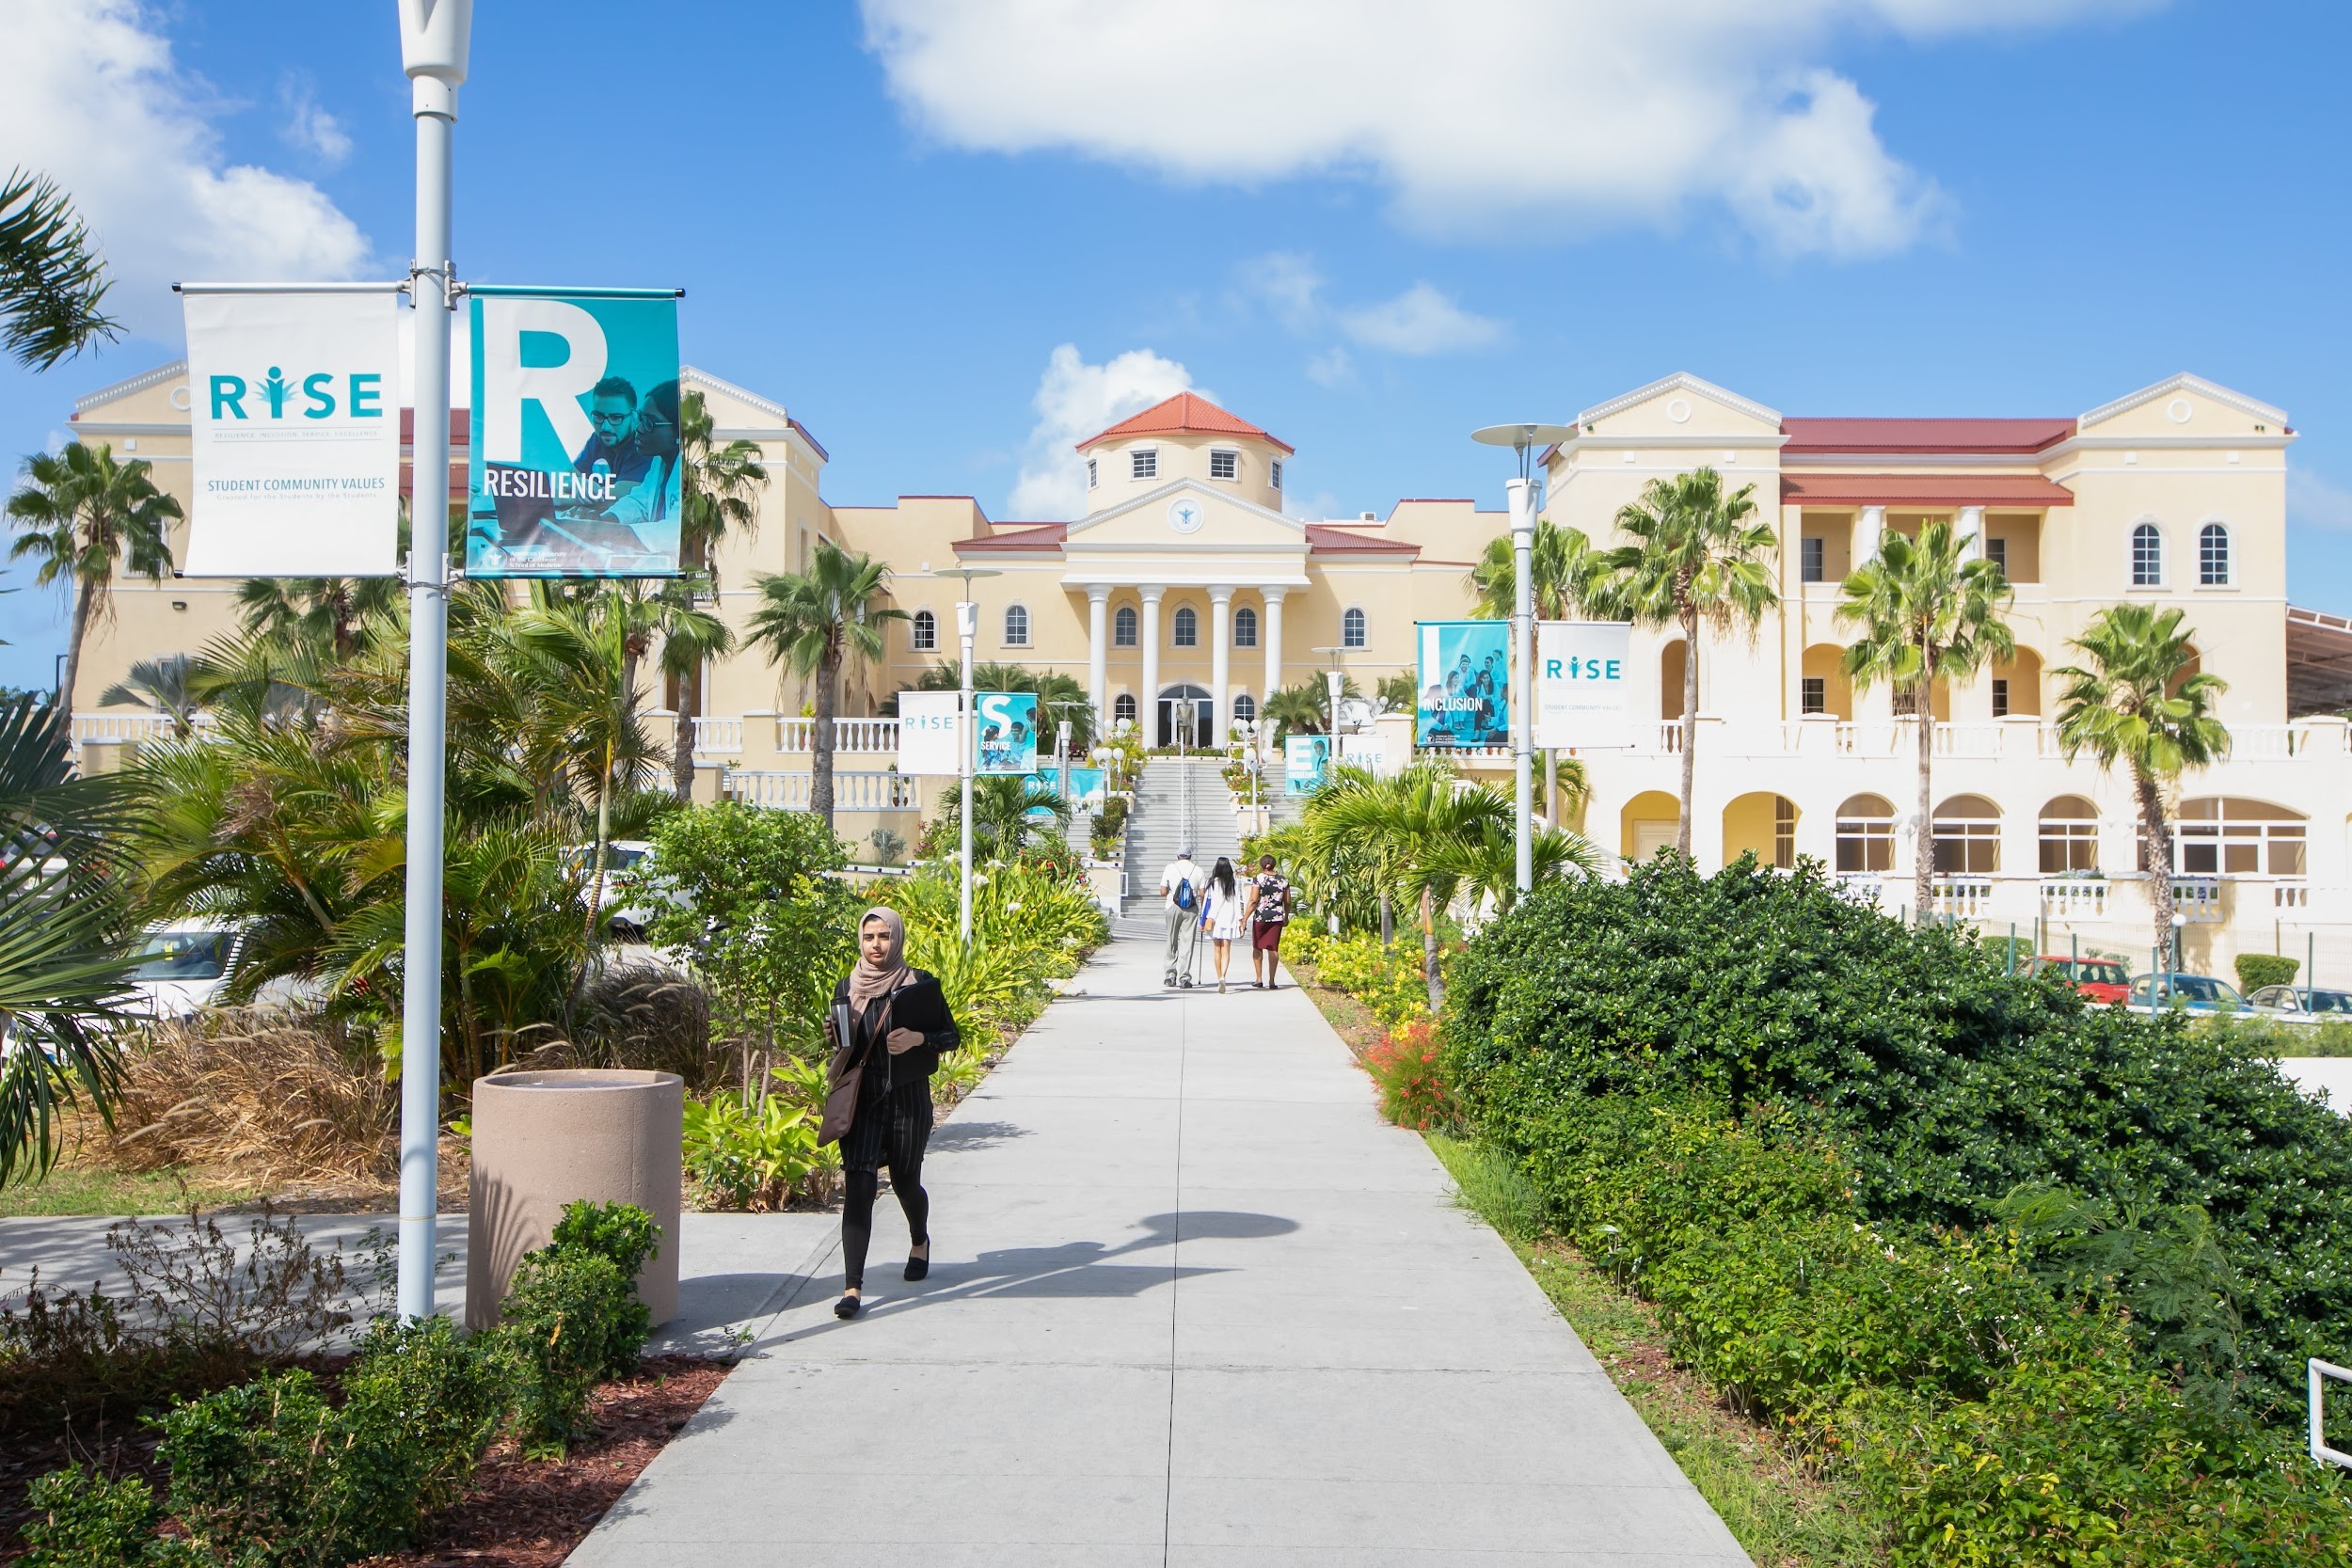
{"x":1148,"y":700}
{"x":1868,"y":529}
{"x":1971,"y":530}
{"x":1098,"y":652}
{"x":1221,"y":660}
{"x":1270,"y":632}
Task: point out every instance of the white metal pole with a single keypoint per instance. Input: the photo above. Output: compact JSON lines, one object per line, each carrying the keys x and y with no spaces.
{"x":434,"y":38}
{"x":1522,"y":492}
{"x":967,"y":628}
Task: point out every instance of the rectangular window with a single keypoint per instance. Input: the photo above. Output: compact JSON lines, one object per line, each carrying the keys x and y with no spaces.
{"x":1274,"y":474}
{"x":1996,"y":551}
{"x":1224,"y":464}
{"x":1814,"y":694}
{"x":1784,"y":832}
{"x":2000,"y":697}
{"x":1813,"y":563}
{"x":1146,"y":463}
{"x":1091,"y":476}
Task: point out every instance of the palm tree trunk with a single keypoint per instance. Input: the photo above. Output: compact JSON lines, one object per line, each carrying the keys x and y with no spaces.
{"x":2155,"y":858}
{"x":820,"y":737}
{"x":686,"y":703}
{"x":1388,"y":923}
{"x":1429,"y":950}
{"x":1923,"y":833}
{"x":85,"y":610}
{"x":1689,"y":725}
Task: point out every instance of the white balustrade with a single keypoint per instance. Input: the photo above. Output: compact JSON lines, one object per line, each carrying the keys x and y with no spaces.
{"x":785,"y":790}
{"x":1969,"y":897}
{"x":133,"y":726}
{"x":2261,"y":742}
{"x":2290,"y":895}
{"x":2075,"y":898}
{"x":719,"y":738}
{"x":853,"y":735}
{"x":2198,"y":899}
{"x":1967,"y":740}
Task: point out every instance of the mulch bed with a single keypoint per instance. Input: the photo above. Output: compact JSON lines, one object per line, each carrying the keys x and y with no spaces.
{"x":520,"y":1514}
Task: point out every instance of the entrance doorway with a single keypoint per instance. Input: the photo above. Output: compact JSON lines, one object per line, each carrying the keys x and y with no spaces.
{"x":1187,"y":708}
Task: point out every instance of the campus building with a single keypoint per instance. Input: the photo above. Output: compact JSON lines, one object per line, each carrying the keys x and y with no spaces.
{"x":1187,"y":592}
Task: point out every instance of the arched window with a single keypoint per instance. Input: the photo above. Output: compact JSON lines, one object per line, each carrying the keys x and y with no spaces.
{"x":1123,"y":706}
{"x":1245,"y":708}
{"x":1967,"y":838}
{"x":2213,"y":556}
{"x":2070,"y":837}
{"x":1123,"y":627}
{"x":1187,"y":627}
{"x":1354,"y":630}
{"x":2225,"y":837}
{"x":926,"y":633}
{"x":1016,"y":626}
{"x":1865,"y":835}
{"x":2147,"y":557}
{"x":1244,"y":627}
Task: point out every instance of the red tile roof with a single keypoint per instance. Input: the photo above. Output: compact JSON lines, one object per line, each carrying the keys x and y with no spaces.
{"x":1923,"y":436}
{"x":1186,"y":413}
{"x":1829,"y":489}
{"x":1016,"y":539}
{"x":1339,"y":541}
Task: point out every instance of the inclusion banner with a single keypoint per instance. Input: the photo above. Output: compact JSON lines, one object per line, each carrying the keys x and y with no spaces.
{"x":574,"y":433}
{"x":1305,"y":763}
{"x":1581,"y":689}
{"x":1465,"y":683}
{"x":927,"y":733}
{"x":294,"y":432}
{"x":1008,"y":721}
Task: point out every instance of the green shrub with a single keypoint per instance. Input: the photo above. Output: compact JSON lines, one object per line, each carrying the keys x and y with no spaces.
{"x":738,"y":1158}
{"x":2257,"y":970}
{"x":422,"y":1404}
{"x":621,"y":1231}
{"x":1387,"y":980}
{"x":571,"y":1318}
{"x":83,"y":1520}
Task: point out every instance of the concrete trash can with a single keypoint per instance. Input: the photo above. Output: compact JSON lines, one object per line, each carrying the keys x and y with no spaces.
{"x":542,"y":1140}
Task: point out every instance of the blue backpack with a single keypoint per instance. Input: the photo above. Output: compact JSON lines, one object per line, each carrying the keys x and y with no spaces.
{"x":1184,"y":893}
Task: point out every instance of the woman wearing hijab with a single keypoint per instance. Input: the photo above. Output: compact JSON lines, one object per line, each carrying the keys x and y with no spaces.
{"x":1222,"y":915}
{"x":898,"y":1024}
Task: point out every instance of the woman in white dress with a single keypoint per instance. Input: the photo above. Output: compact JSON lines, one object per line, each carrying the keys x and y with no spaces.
{"x":1221,"y":915}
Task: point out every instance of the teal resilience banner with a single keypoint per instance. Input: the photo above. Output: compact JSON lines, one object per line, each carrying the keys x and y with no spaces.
{"x":575,"y":434}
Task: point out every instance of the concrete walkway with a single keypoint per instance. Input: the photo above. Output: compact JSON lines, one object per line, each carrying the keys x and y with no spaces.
{"x":1193,"y":1301}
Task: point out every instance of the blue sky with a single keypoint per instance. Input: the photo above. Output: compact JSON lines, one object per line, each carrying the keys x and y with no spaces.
{"x":1370,"y":230}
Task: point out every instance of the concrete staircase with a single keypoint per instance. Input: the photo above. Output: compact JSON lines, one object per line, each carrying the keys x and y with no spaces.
{"x":1179,"y":802}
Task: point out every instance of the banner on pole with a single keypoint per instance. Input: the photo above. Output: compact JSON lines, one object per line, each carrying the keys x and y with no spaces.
{"x":1581,"y":690}
{"x":1008,"y":726}
{"x":1305,"y":763}
{"x":1465,"y":683}
{"x":927,"y":733}
{"x":1086,"y":787}
{"x":575,"y":440}
{"x":293,"y":432}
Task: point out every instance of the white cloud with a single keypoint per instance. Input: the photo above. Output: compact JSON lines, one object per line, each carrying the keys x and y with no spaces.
{"x":90,"y":96}
{"x":2314,"y":502}
{"x":1287,"y":282}
{"x":1073,"y":401}
{"x":1421,"y":321}
{"x":1476,"y":115}
{"x":308,"y":128}
{"x":1333,"y":369}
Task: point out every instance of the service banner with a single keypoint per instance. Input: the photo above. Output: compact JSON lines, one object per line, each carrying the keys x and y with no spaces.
{"x":575,"y":434}
{"x":294,"y":427}
{"x":1008,"y":732}
{"x":1305,"y":763}
{"x":1580,"y":693}
{"x":1465,"y":683}
{"x":1087,"y":784}
{"x":926,"y":735}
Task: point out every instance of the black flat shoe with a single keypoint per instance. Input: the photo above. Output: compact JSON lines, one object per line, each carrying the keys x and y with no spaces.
{"x":848,"y":1306}
{"x":918,"y":1268}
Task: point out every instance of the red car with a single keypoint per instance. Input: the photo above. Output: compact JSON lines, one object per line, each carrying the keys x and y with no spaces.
{"x":2100,"y":980}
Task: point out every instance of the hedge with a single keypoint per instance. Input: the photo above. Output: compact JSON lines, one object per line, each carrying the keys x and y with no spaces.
{"x":2257,"y":970}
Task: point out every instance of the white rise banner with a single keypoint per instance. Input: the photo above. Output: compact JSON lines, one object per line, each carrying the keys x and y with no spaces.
{"x":1581,"y":687}
{"x":294,"y":433}
{"x":926,"y":735}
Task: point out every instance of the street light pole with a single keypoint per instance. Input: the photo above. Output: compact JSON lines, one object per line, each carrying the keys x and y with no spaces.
{"x":968,"y":736}
{"x":434,"y":40}
{"x":1522,"y":493}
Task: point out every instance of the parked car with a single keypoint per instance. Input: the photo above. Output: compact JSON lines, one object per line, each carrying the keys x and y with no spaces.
{"x":626,"y":922}
{"x":183,"y":965}
{"x":2195,"y":993}
{"x":2100,"y":980}
{"x":2295,"y":999}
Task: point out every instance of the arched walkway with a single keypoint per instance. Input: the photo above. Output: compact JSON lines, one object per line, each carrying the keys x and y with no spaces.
{"x":1190,"y":708}
{"x":1648,"y":823}
{"x":1762,"y":824}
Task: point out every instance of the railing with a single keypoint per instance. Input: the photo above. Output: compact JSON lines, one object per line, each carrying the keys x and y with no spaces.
{"x":2198,"y":899}
{"x":2075,"y":898}
{"x":788,"y":791}
{"x":133,"y":726}
{"x":719,"y":738}
{"x":848,"y":735}
{"x":2321,"y":1373}
{"x":2290,"y":895}
{"x":1969,"y":897}
{"x":1967,"y":740}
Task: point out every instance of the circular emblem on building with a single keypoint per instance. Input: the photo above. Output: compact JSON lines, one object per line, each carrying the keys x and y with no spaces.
{"x":2178,"y":410}
{"x":1185,"y":515}
{"x":1678,"y":410}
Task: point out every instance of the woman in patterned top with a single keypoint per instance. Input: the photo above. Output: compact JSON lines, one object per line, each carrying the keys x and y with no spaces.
{"x":1272,"y":894}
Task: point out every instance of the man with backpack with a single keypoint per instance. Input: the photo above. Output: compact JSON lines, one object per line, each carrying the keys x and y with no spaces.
{"x":1180,"y":896}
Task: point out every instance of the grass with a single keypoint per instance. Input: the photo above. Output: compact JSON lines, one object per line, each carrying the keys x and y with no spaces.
{"x":95,"y":1189}
{"x":1783,"y":1511}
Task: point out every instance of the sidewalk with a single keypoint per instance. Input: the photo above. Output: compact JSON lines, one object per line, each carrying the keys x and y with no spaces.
{"x":1193,"y":1301}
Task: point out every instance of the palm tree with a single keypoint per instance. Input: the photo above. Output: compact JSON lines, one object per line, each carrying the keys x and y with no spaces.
{"x":51,"y":280}
{"x":82,"y":514}
{"x":1001,"y":806}
{"x":328,"y":615}
{"x":814,"y":622}
{"x":1304,"y":709}
{"x":1561,"y":565}
{"x":1696,"y":564}
{"x":1058,"y":695}
{"x":2133,"y":702}
{"x":719,"y":500}
{"x":170,"y":685}
{"x":1925,"y":614}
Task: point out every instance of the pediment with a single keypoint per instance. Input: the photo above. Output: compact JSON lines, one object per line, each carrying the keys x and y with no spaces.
{"x":1680,"y":405}
{"x":2184,"y":406}
{"x":1157,"y":520}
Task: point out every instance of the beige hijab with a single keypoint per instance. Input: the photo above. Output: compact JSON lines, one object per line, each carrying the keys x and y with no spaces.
{"x":870,"y":980}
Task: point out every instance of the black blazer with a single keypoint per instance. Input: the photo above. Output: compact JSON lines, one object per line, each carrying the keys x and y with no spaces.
{"x":917,"y":1005}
